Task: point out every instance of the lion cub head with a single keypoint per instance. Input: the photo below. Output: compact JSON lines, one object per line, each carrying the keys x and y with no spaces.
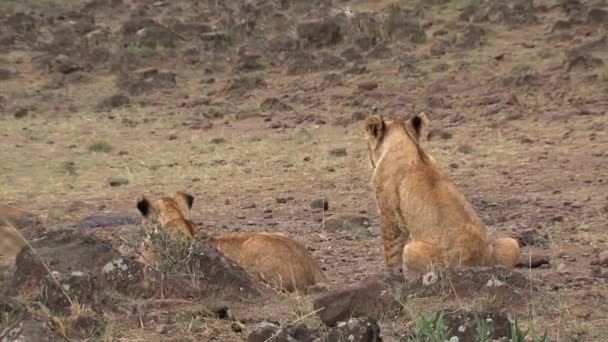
{"x":170,"y":212}
{"x":385,"y":136}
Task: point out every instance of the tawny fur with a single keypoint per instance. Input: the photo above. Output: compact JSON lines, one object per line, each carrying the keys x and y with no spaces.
{"x":10,"y":242}
{"x":425,"y":220}
{"x":272,"y":257}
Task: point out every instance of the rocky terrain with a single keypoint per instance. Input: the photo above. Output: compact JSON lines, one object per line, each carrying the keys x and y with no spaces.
{"x":255,"y":108}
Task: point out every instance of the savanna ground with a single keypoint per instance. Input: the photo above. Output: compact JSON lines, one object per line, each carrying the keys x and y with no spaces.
{"x":260,"y":116}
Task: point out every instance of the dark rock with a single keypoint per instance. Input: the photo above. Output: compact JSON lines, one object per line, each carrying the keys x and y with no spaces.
{"x":603,"y":258}
{"x":439,"y":133}
{"x":338,"y":152}
{"x":349,"y":222}
{"x":108,"y":220}
{"x":274,"y":104}
{"x":198,"y":123}
{"x":74,"y":259}
{"x":320,"y":203}
{"x":319,"y":33}
{"x":20,"y":113}
{"x":281,"y":199}
{"x":362,"y":329}
{"x":529,"y":237}
{"x":263,"y":332}
{"x":367,"y":85}
{"x":5,"y":74}
{"x":113,"y":101}
{"x":146,"y":80}
{"x":371,"y":298}
{"x":64,"y":65}
{"x":220,"y":311}
{"x":116,"y":181}
{"x":532,"y":261}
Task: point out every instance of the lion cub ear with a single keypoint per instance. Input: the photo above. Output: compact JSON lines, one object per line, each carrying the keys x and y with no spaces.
{"x":143,"y":205}
{"x":189,"y":199}
{"x":374,"y":127}
{"x":418,"y":125}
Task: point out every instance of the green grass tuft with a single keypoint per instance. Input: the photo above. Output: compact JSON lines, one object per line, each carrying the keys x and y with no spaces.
{"x":100,"y":146}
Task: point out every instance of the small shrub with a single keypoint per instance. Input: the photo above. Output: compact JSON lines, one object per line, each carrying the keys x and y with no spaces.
{"x":517,"y":335}
{"x":100,"y":146}
{"x":431,"y":329}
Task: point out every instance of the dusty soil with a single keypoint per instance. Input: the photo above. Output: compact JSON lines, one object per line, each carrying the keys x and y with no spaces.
{"x":255,"y":108}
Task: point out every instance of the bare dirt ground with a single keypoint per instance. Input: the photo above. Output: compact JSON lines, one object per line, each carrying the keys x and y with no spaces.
{"x":255,"y":108}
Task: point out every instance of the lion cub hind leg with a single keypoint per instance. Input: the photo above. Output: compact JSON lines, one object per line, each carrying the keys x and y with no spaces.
{"x":506,"y":252}
{"x":419,"y":258}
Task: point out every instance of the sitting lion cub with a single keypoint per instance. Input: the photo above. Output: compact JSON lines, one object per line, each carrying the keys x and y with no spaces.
{"x":273,"y":257}
{"x":425,"y":220}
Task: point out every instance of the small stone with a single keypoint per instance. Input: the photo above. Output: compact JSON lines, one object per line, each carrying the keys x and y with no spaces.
{"x":368,"y":85}
{"x":561,"y":268}
{"x":236,"y":327}
{"x":603,"y":258}
{"x":466,"y":149}
{"x":172,"y":137}
{"x":439,"y":133}
{"x":161,"y":329}
{"x":338,"y":152}
{"x":115,"y":181}
{"x":21,"y":113}
{"x":276,"y":125}
{"x":217,"y":141}
{"x":533,"y":261}
{"x":281,"y":199}
{"x":220,"y":311}
{"x":320,"y":203}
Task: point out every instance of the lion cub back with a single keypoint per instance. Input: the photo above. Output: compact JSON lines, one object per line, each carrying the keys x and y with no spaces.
{"x":274,"y":257}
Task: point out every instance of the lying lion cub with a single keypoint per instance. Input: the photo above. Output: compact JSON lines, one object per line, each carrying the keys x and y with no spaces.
{"x":273,"y":257}
{"x":425,"y":220}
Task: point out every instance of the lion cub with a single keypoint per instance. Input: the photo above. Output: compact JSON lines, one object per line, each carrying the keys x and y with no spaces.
{"x":272,"y":257}
{"x":425,"y":220}
{"x":10,"y":241}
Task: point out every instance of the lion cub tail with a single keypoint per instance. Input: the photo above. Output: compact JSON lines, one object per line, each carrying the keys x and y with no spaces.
{"x":505,"y":252}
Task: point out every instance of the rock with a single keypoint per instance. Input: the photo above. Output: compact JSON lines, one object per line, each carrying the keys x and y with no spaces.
{"x":64,"y":65}
{"x":463,"y":326}
{"x":439,"y":133}
{"x":320,"y":203}
{"x":372,"y":298}
{"x":146,"y":80}
{"x":217,"y":141}
{"x":220,"y":311}
{"x":603,"y":258}
{"x":116,"y":181}
{"x":363,"y":329}
{"x":108,"y":220}
{"x":529,"y":237}
{"x":400,"y":25}
{"x":534,"y":261}
{"x":319,"y":33}
{"x":237,"y":327}
{"x":561,"y":268}
{"x":263,"y":332}
{"x":20,"y":113}
{"x":509,"y":288}
{"x":198,"y":123}
{"x":113,"y":101}
{"x":338,"y":152}
{"x":289,"y":332}
{"x":6,"y":74}
{"x":73,"y":258}
{"x":368,"y":85}
{"x":346,"y":222}
{"x":274,"y":104}
{"x":284,"y":198}
{"x":29,"y":329}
